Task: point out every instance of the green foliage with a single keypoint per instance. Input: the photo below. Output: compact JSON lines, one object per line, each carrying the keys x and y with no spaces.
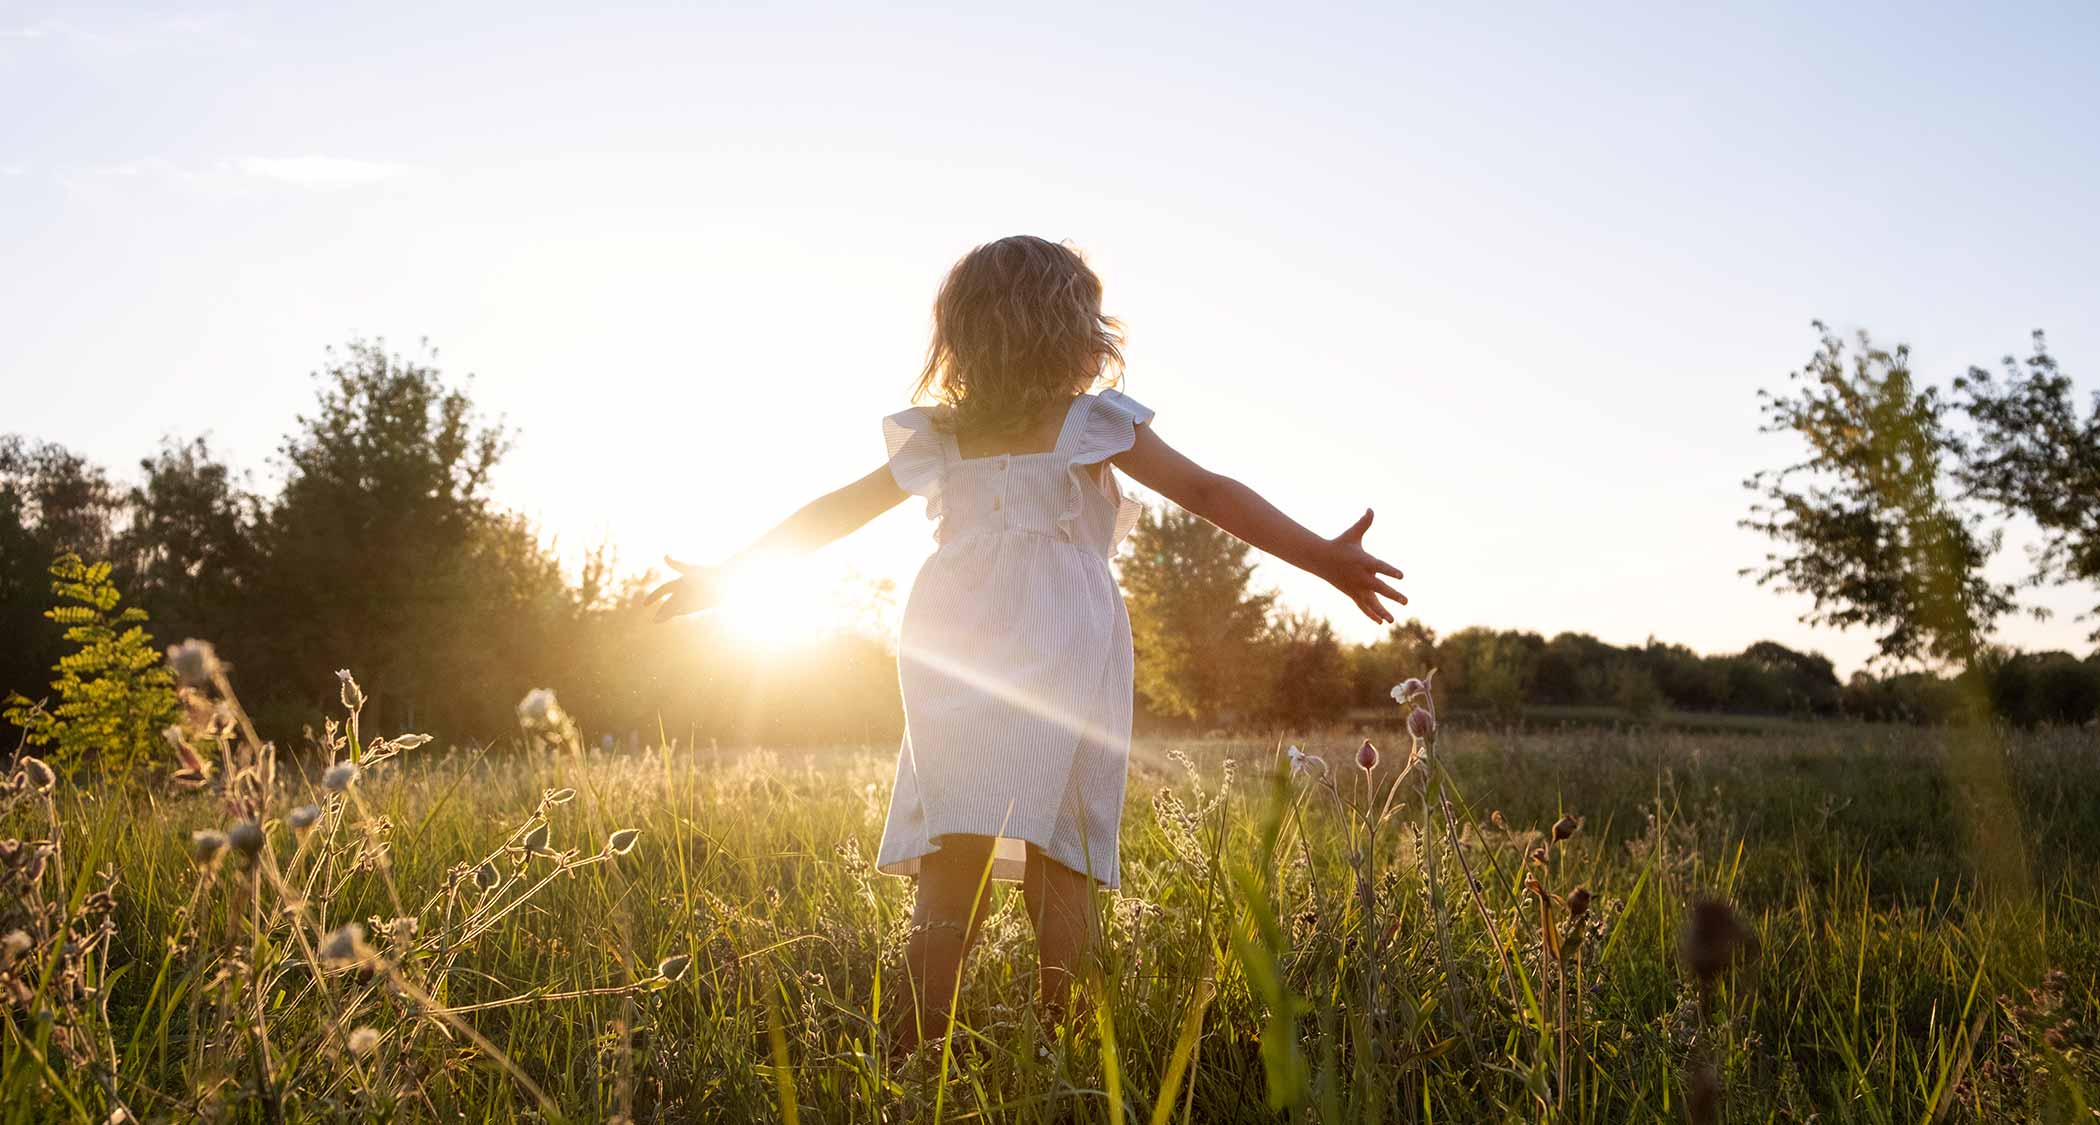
{"x":1194,"y":619}
{"x":114,"y":695}
{"x":2033,"y":455}
{"x":1868,"y":528}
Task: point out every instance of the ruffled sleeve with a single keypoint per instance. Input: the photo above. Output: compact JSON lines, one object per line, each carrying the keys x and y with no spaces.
{"x":916,"y":455}
{"x":1110,"y":428}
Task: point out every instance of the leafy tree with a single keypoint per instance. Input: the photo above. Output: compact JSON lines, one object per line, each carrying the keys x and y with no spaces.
{"x":1308,"y":681}
{"x":190,"y":552}
{"x":2032,"y":454}
{"x":1193,"y":617}
{"x":51,"y":501}
{"x":1866,"y":528}
{"x":115,"y":696}
{"x":387,"y":556}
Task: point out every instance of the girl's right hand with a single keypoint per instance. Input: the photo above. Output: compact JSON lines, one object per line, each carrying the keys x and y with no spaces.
{"x":697,"y":588}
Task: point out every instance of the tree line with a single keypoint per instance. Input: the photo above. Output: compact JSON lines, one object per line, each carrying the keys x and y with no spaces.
{"x":382,"y":551}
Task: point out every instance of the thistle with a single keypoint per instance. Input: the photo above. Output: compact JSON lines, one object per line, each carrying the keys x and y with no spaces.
{"x":339,"y":777}
{"x":194,"y":662}
{"x":205,"y":846}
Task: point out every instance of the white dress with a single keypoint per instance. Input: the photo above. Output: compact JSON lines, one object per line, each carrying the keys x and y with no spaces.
{"x":1014,"y":656}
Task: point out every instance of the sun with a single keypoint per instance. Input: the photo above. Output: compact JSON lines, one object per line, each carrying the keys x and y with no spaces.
{"x":780,"y":606}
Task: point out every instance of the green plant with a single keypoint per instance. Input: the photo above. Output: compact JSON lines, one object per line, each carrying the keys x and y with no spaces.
{"x":114,"y":696}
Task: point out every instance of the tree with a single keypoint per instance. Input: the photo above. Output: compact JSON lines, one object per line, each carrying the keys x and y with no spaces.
{"x":1193,"y":617}
{"x":386,"y":555}
{"x":114,"y":694}
{"x":1308,"y":681}
{"x":190,"y":551}
{"x":1866,"y":529}
{"x":51,"y":501}
{"x":2033,"y":454}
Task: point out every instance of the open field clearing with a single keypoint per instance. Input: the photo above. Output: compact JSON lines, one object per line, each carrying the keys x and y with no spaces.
{"x":1872,"y":979}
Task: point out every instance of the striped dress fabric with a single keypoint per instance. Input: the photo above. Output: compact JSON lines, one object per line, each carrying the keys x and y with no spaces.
{"x":1014,"y":656}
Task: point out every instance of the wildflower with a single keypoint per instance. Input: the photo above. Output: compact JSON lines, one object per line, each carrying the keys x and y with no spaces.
{"x":353,"y":696}
{"x":194,"y":662}
{"x":1304,"y":763}
{"x":346,"y":946}
{"x":1421,"y":723}
{"x":38,"y":774}
{"x":1564,"y":828}
{"x":673,"y":967}
{"x":1538,"y":856}
{"x":205,"y":846}
{"x":539,"y":708}
{"x":364,"y":1040}
{"x":1408,"y":690}
{"x":622,"y":842}
{"x":246,"y":838}
{"x":303,"y":817}
{"x":339,"y":776}
{"x":1367,"y":756}
{"x":1714,"y":937}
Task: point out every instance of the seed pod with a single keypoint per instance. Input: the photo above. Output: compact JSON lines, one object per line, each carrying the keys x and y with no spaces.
{"x":246,"y":838}
{"x":1714,"y":938}
{"x":1538,"y":856}
{"x":560,"y":796}
{"x":353,"y":696}
{"x":1578,"y":902}
{"x":37,"y":773}
{"x":205,"y":845}
{"x":622,"y":842}
{"x":486,"y":877}
{"x":536,"y":840}
{"x":1564,"y":828}
{"x":673,"y":967}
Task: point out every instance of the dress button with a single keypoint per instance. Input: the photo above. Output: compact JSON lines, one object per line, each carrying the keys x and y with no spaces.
{"x":995,"y":503}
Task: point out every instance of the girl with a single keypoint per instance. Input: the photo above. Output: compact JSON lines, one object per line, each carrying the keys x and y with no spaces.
{"x":1014,"y":656}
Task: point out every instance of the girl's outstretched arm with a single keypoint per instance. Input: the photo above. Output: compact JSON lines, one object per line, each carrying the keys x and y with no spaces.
{"x":831,"y":516}
{"x":1240,"y":510}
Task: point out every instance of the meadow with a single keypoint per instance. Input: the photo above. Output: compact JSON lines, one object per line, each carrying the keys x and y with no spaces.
{"x":1823,"y":922}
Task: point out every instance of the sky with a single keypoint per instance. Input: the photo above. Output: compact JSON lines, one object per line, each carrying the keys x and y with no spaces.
{"x":1510,"y":275}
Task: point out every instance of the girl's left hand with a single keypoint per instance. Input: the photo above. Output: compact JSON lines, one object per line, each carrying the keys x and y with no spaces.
{"x":696,"y":588}
{"x":1361,"y":574}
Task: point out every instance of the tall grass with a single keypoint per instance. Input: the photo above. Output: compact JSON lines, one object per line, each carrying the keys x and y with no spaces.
{"x":1271,"y":953}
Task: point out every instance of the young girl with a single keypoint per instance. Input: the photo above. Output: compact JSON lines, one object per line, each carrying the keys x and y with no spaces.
{"x":1014,"y":657}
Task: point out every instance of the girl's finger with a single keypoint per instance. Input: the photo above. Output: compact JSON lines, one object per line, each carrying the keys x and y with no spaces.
{"x":1388,"y":591}
{"x":1386,"y":568}
{"x":1357,"y":529}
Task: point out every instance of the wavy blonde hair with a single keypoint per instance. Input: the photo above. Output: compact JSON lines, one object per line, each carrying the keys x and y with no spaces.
{"x":1017,"y":326}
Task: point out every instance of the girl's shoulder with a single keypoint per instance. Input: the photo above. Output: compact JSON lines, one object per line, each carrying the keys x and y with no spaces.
{"x":1109,"y":426}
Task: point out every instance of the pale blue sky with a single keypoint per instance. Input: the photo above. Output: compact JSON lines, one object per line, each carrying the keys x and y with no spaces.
{"x":1511,"y":275}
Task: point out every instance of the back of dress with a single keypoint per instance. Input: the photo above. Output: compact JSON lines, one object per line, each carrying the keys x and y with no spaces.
{"x":1014,"y":656}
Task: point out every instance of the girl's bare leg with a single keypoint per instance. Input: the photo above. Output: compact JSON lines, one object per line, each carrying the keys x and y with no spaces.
{"x":1060,"y":905}
{"x":949,"y":911}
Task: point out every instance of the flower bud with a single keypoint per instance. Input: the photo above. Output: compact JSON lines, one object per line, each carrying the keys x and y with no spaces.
{"x":205,"y":845}
{"x":1578,"y":902}
{"x":1564,"y":828}
{"x":353,"y":696}
{"x":622,"y":842}
{"x":38,"y":774}
{"x":1367,"y":756}
{"x":1421,"y":723}
{"x":486,"y":877}
{"x":1407,"y":691}
{"x":536,"y":840}
{"x":246,"y":838}
{"x":194,"y":662}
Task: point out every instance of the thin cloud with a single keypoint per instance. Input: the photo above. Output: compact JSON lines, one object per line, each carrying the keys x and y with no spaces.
{"x":124,"y":36}
{"x":319,"y":171}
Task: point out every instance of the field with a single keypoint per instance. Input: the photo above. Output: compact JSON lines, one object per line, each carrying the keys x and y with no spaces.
{"x":1914,"y":937}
